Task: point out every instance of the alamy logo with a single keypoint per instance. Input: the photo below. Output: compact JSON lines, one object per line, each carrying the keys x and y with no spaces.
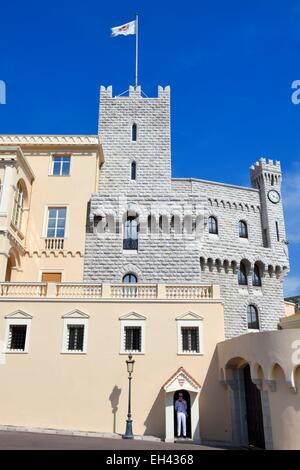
{"x":296,"y":94}
{"x":296,"y":353}
{"x":2,"y":92}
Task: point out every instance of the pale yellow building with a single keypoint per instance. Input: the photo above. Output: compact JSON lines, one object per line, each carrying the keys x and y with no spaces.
{"x":30,"y":187}
{"x":78,"y":293}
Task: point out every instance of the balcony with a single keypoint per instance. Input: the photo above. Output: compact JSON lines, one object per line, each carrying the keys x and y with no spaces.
{"x":23,"y":289}
{"x":130,"y":244}
{"x":54,"y":243}
{"x":112,"y":292}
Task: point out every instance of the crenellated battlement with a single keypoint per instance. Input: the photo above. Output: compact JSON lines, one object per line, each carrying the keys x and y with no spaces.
{"x":264,"y":164}
{"x":134,"y":92}
{"x":265,"y":171}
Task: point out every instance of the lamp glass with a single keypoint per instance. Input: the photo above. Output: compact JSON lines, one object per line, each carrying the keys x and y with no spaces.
{"x":130,"y":363}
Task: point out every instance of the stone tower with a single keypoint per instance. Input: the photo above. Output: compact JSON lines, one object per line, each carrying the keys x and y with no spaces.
{"x":161,"y":246}
{"x":135,"y":129}
{"x":266,"y":176}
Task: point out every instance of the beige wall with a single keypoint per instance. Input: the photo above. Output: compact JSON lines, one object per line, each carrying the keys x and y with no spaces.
{"x":73,"y":192}
{"x":289,"y":308}
{"x":285,"y":412}
{"x":274,"y":359}
{"x":45,"y":388}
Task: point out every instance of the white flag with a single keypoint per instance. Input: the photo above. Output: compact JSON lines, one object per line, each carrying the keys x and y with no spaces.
{"x":125,"y":29}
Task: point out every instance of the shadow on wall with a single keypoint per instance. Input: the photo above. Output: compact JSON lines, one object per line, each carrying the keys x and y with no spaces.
{"x":155,"y":421}
{"x":114,"y":399}
{"x":214,"y":405}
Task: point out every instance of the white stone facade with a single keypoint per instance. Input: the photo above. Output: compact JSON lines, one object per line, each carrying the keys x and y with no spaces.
{"x":175,"y":246}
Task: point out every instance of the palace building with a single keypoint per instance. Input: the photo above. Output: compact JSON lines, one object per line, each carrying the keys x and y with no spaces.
{"x":104,"y":254}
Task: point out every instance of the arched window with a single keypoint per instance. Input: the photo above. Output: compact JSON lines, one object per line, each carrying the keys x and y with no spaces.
{"x":134,"y":133}
{"x":213,"y":225}
{"x":242,"y":275}
{"x":133,"y":170}
{"x":256,"y":277}
{"x":18,"y":206}
{"x":131,"y":228}
{"x":149,"y":223}
{"x":163,"y":224}
{"x":252,"y":318}
{"x":130,"y":278}
{"x":172,"y":224}
{"x":243,"y":229}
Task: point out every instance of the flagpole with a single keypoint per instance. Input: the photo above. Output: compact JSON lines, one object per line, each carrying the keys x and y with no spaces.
{"x":136,"y":49}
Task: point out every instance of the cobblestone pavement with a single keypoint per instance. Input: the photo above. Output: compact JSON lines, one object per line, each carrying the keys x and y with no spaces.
{"x":12,"y":440}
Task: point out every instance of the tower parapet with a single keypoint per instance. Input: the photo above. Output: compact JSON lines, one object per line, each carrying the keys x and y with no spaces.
{"x":265,"y":171}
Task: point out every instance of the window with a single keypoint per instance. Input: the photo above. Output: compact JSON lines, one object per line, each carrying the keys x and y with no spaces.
{"x":17,"y":333}
{"x":75,"y":332}
{"x":256,"y":277}
{"x":189,"y":334}
{"x":243,"y":229}
{"x":131,"y":228}
{"x":17,"y":337}
{"x":134,"y":133}
{"x":129,"y":291}
{"x":149,"y":223}
{"x":133,"y":338}
{"x":18,"y":206}
{"x":56,"y":222}
{"x":75,"y":337}
{"x":277,"y":231}
{"x":51,"y":276}
{"x":133,"y":170}
{"x":60,"y":166}
{"x":163,"y":224}
{"x":130,"y":278}
{"x":242,"y":275}
{"x":172,"y":224}
{"x":252,"y":318}
{"x":213,"y":225}
{"x":265,"y":236}
{"x":190,"y":339}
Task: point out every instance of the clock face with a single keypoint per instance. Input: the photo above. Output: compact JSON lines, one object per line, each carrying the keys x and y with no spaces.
{"x":274,"y":196}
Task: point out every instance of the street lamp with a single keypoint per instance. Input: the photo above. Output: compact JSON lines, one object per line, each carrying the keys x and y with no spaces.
{"x":128,"y":433}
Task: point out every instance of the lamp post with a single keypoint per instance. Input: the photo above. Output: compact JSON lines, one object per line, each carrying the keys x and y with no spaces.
{"x":128,"y":433}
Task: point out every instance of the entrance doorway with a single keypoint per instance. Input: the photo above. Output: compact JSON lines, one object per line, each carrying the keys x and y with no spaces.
{"x":254,"y":413}
{"x":187,"y":398}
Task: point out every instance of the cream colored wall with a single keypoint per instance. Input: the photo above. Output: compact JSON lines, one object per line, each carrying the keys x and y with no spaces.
{"x":274,"y":359}
{"x":45,"y":388}
{"x":289,"y":308}
{"x":72,"y":191}
{"x":285,"y":412}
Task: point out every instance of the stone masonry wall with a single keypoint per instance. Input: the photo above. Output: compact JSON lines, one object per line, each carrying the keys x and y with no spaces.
{"x":186,"y":253}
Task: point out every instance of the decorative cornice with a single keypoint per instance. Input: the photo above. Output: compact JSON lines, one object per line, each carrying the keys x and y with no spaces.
{"x":49,"y":140}
{"x":12,"y":155}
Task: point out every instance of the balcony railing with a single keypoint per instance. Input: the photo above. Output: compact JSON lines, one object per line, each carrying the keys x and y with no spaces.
{"x":130,"y":244}
{"x":23,"y":289}
{"x":133,"y":291}
{"x":74,"y":290}
{"x":197,"y":292}
{"x":68,"y":290}
{"x":54,"y":243}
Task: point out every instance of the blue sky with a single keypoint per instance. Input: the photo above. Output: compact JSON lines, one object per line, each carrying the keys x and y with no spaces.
{"x":230,"y":66}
